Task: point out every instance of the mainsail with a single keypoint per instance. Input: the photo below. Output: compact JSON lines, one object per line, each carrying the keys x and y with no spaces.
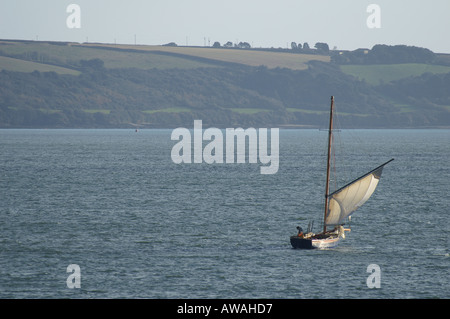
{"x":344,"y":201}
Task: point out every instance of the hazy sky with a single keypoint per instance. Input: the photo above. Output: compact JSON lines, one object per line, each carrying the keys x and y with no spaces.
{"x":262,"y":23}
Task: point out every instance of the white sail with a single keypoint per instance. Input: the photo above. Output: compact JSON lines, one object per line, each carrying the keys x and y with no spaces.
{"x":343,"y":202}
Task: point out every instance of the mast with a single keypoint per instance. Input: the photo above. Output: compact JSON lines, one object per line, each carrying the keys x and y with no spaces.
{"x":330,"y":140}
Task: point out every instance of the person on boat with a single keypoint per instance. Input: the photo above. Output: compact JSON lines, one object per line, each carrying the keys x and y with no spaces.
{"x":300,"y":232}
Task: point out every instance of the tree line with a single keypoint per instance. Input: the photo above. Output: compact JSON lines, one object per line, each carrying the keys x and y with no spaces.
{"x":320,"y":47}
{"x":385,"y":54}
{"x":379,"y":54}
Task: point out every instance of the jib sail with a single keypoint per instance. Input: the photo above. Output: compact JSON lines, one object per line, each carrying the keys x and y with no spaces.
{"x":344,"y":201}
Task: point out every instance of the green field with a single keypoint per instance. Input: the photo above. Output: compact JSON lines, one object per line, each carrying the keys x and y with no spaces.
{"x":169,"y":110}
{"x":11,"y":64}
{"x":248,"y":110}
{"x":71,"y":54}
{"x":93,"y":111}
{"x":142,"y":56}
{"x":269,"y":59}
{"x":289,"y":109}
{"x":384,"y":73}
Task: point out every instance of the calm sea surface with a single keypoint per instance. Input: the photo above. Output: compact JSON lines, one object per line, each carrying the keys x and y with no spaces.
{"x":140,"y":226}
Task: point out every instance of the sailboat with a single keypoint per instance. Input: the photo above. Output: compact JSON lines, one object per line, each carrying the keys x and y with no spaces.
{"x":339,"y":205}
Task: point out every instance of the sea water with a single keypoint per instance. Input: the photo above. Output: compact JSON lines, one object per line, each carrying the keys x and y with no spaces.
{"x":138,"y":225}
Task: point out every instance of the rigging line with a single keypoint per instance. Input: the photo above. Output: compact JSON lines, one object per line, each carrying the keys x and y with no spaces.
{"x":337,"y":145}
{"x":334,"y":168}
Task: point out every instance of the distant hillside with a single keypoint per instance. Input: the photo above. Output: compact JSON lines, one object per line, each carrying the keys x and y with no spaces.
{"x":69,"y":55}
{"x":148,"y":56}
{"x":55,"y":84}
{"x":248,"y":57}
{"x":19,"y":65}
{"x":377,"y":74}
